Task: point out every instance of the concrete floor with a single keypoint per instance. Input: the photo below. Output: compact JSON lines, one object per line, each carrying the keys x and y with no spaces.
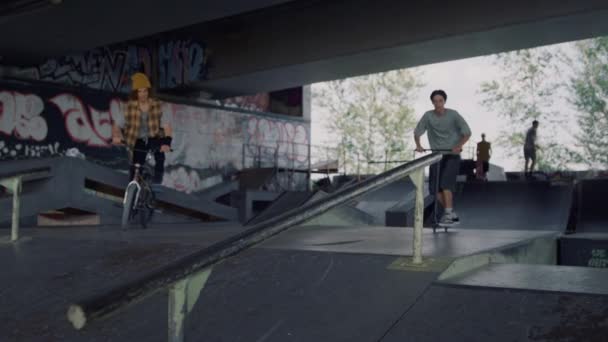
{"x":308,"y":284}
{"x":398,"y":241}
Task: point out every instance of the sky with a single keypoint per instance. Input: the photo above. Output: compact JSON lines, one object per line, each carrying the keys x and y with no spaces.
{"x":461,"y":80}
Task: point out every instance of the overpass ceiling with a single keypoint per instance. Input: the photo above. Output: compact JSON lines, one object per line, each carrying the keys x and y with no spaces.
{"x":32,"y":30}
{"x":327,"y":41}
{"x":437,"y":50}
{"x":265,"y":45}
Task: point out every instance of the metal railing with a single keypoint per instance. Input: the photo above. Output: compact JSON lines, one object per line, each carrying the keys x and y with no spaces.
{"x":186,"y":277}
{"x":283,"y":158}
{"x":13,"y":183}
{"x":289,"y":158}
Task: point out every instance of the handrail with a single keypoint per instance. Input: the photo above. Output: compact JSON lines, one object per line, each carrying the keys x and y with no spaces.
{"x":25,"y":172}
{"x":119,"y":297}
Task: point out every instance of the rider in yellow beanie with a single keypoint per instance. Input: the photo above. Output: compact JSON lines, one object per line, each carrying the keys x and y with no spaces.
{"x":144,"y":127}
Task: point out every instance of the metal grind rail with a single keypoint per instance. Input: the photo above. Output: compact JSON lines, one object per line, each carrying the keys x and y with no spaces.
{"x":186,"y":277}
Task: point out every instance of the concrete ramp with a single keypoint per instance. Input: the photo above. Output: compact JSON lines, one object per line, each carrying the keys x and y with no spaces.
{"x":377,"y":203}
{"x":592,"y":212}
{"x":286,"y":201}
{"x":513,"y":205}
{"x":345,"y":215}
{"x":63,"y":182}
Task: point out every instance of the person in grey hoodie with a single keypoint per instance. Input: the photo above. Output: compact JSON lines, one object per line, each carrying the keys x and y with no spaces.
{"x":447,"y":132}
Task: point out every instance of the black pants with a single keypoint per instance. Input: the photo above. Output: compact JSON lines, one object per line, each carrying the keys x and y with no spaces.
{"x":140,"y":151}
{"x":486,"y":166}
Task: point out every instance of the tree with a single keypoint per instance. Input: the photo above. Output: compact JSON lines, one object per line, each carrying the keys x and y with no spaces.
{"x":371,"y":117}
{"x":589,"y":87}
{"x":527,"y":91}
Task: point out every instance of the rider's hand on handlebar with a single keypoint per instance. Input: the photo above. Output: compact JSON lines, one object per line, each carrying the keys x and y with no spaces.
{"x":165,"y":148}
{"x":420,"y":149}
{"x":457,"y":149}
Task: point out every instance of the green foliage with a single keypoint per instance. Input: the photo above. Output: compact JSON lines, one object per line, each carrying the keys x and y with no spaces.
{"x":589,"y":89}
{"x":526,"y":91}
{"x":371,"y":118}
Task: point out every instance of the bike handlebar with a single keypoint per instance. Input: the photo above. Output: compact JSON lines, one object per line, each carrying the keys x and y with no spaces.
{"x":123,"y":144}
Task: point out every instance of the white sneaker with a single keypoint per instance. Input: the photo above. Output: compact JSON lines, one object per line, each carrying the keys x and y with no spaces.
{"x":455,"y":217}
{"x":446,"y":220}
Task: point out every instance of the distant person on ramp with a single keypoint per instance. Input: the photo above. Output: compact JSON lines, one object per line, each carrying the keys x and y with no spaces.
{"x":530,"y":149}
{"x":484,"y":152}
{"x":447,"y":132}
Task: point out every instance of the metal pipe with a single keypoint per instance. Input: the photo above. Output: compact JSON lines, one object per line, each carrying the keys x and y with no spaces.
{"x":16,"y":209}
{"x":183,"y":295}
{"x":418,"y":180}
{"x":309,"y":180}
{"x":117,"y":298}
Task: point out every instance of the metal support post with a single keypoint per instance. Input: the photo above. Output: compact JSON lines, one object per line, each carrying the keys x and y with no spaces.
{"x":418,"y":180}
{"x":182,"y":297}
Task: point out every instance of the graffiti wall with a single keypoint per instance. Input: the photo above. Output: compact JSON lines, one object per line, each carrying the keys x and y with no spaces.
{"x":286,"y":102}
{"x":45,"y":122}
{"x":209,"y":143}
{"x":258,"y":102}
{"x":178,"y":62}
{"x":219,"y":141}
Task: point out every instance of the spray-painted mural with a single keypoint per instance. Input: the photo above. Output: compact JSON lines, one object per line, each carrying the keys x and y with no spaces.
{"x":258,"y":102}
{"x":46,"y":122}
{"x":179,"y":62}
{"x":222,"y":141}
{"x":208,"y":142}
{"x":286,"y":101}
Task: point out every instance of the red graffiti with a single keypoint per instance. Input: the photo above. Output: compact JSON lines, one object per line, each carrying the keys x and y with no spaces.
{"x":91,"y":126}
{"x":20,"y":114}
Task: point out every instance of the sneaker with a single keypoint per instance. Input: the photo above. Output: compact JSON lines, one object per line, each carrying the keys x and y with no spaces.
{"x":446,"y":221}
{"x":455,"y":217}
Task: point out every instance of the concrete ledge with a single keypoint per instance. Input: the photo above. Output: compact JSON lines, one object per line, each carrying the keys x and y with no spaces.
{"x":60,"y":218}
{"x":540,"y":250}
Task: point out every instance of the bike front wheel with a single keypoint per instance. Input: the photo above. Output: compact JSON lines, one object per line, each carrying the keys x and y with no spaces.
{"x":146,"y":210}
{"x":128,"y":205}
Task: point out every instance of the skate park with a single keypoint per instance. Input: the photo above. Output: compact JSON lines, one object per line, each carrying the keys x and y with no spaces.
{"x":253,"y":249}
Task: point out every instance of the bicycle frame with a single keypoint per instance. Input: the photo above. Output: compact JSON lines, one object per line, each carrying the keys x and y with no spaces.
{"x":133,"y":192}
{"x":124,"y":200}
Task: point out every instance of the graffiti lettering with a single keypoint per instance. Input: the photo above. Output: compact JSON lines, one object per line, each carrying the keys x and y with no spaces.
{"x":290,"y":139}
{"x":179,"y":62}
{"x":20,"y":114}
{"x":91,"y":126}
{"x":110,"y":68}
{"x":104,"y":69}
{"x":207,"y":142}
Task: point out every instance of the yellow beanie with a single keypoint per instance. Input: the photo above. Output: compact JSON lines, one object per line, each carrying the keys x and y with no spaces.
{"x":140,"y":81}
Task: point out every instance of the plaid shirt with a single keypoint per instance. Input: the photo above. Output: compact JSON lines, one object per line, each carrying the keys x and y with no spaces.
{"x":133,"y":119}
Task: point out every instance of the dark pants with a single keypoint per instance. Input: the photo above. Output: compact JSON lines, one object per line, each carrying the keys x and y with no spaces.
{"x":530,"y":153}
{"x":448,"y":169}
{"x":139,"y":157}
{"x":486,"y":166}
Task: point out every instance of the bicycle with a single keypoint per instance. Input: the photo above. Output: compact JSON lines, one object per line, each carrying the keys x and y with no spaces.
{"x":139,"y":198}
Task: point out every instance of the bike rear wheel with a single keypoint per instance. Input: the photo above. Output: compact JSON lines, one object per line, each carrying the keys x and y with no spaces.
{"x":128,"y":205}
